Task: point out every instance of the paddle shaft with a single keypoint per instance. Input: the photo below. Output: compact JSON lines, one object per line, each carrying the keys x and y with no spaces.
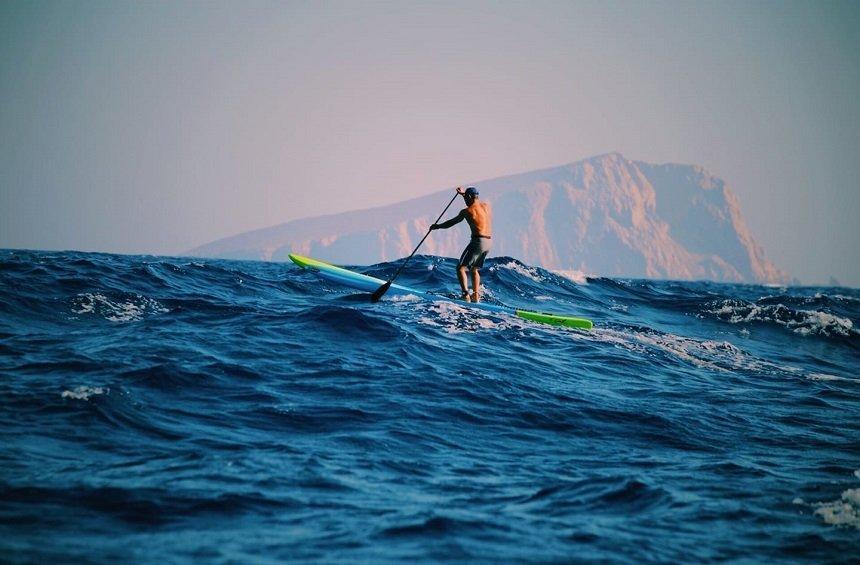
{"x":386,"y":285}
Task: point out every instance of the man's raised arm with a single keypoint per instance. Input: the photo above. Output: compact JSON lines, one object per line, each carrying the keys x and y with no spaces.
{"x":453,"y":221}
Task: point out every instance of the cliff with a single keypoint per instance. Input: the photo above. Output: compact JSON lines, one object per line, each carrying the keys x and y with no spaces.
{"x":605,"y":215}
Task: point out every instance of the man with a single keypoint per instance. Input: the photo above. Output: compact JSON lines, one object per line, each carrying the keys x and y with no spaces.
{"x":480,"y":219}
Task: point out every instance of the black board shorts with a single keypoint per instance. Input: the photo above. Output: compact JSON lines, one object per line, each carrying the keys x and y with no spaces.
{"x":474,"y":254}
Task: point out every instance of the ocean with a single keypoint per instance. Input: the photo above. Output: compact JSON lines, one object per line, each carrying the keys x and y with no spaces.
{"x":183,"y":410}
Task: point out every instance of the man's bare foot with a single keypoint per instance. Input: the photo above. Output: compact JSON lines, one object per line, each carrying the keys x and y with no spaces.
{"x":476,"y":297}
{"x":467,"y":297}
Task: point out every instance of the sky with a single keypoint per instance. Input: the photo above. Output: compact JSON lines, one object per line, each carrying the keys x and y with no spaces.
{"x":154,"y":127}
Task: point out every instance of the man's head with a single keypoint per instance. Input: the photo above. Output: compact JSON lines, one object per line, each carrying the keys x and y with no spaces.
{"x":470,"y":195}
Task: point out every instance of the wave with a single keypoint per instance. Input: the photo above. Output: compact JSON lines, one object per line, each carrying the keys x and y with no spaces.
{"x":801,"y":322}
{"x":613,"y":495}
{"x":143,"y":506}
{"x":148,"y":394}
{"x":123,"y":308}
{"x":842,"y":512}
{"x":351,"y":321}
{"x":521,"y":269}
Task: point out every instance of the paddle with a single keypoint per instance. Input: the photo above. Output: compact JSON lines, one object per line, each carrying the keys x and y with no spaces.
{"x":377,"y":294}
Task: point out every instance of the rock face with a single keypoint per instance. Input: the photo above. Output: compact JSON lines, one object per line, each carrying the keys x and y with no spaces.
{"x":605,"y":215}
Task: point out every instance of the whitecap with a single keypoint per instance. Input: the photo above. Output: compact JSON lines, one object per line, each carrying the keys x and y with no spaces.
{"x":128,"y":310}
{"x":826,"y":377}
{"x":842,"y":512}
{"x":719,"y":356}
{"x":454,"y":318}
{"x":574,"y":276}
{"x":84,"y":392}
{"x":840,"y":297}
{"x":802,"y":322}
{"x":852,"y":496}
{"x":404,"y":298}
{"x":524,"y":270}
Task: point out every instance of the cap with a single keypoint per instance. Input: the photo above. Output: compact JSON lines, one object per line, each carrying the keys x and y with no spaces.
{"x":471,"y":191}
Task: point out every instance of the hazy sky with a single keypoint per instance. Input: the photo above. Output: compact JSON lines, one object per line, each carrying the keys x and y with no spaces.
{"x":158,"y":126}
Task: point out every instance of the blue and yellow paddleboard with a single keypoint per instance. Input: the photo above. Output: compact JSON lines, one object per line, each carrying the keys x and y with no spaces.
{"x":369,"y":284}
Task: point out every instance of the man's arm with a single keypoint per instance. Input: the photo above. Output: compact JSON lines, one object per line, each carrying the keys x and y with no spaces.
{"x":453,"y":221}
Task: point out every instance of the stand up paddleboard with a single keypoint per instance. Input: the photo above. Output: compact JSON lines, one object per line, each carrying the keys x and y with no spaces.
{"x":369,"y":284}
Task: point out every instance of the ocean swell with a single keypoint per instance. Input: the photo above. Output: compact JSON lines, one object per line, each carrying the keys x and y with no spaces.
{"x":187,"y":410}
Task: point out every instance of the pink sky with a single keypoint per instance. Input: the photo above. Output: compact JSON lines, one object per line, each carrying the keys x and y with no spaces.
{"x":154,"y":127}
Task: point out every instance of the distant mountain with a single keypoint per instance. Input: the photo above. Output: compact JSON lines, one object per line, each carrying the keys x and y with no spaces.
{"x":605,"y":215}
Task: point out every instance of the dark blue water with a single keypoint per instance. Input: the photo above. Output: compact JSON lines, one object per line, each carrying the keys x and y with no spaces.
{"x":176,"y":409}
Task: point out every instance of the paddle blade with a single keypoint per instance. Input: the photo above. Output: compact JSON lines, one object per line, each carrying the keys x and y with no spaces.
{"x":377,"y":294}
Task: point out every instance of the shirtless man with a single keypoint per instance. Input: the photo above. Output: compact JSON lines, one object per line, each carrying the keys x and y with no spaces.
{"x":480,"y":219}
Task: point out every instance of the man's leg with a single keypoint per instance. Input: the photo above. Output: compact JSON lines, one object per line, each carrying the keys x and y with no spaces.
{"x":462,"y":276}
{"x":476,"y":285}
